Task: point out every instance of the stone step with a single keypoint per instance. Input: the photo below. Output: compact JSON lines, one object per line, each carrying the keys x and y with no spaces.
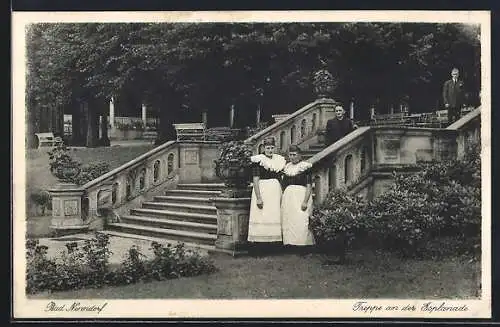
{"x":202,"y":186}
{"x":191,"y":208}
{"x":193,"y":193}
{"x":175,"y":215}
{"x":203,"y":248}
{"x":188,"y":200}
{"x":169,"y":224}
{"x":171,"y":234}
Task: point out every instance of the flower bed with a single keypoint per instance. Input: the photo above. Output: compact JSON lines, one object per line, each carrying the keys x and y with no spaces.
{"x":88,"y":266}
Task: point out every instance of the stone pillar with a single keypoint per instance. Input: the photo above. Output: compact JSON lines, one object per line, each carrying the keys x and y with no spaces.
{"x":372,"y":112}
{"x":445,"y":145}
{"x":189,"y":160}
{"x":204,"y":118}
{"x":231,"y":116}
{"x":257,"y":118}
{"x":112,"y":112}
{"x":144,"y":115}
{"x":326,"y":111}
{"x":67,"y":208}
{"x":232,"y":224}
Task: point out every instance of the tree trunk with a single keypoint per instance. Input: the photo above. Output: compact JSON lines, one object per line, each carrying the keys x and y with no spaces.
{"x":92,"y":124}
{"x":104,"y":128}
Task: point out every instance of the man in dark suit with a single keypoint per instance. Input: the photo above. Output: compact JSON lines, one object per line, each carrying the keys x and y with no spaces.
{"x":453,"y":96}
{"x":338,"y":127}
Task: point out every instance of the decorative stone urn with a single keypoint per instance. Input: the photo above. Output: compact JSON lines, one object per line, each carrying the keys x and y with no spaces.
{"x":324,"y":84}
{"x":65,"y":172}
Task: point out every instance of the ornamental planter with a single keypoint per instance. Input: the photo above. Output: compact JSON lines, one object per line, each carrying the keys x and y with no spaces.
{"x":234,"y":175}
{"x":324,"y":84}
{"x":66,"y":172}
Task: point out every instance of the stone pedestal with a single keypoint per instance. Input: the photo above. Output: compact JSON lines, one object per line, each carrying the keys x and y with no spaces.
{"x":232,"y":224}
{"x":67,"y":208}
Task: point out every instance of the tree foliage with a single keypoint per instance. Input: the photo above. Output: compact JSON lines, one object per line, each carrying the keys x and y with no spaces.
{"x":209,"y":66}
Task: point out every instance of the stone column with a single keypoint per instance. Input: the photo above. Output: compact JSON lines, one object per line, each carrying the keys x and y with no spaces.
{"x":67,"y":208}
{"x":112,"y":112}
{"x":231,"y":116}
{"x":257,"y":118}
{"x":144,"y":115}
{"x":204,"y":118}
{"x":232,"y":224}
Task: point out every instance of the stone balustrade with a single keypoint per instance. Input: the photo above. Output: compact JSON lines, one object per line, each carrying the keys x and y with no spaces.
{"x":154,"y":171}
{"x":363,"y":161}
{"x":297,"y":127}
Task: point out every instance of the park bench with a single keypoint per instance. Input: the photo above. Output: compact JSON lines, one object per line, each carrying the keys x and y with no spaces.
{"x":47,"y":139}
{"x":190,"y":131}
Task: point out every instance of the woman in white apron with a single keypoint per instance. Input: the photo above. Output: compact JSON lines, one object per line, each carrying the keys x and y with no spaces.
{"x":265,"y":210}
{"x":296,"y":203}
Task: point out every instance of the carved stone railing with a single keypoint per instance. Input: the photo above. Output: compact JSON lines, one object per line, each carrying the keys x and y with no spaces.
{"x":135,"y":181}
{"x":298,"y":127}
{"x":363,"y":161}
{"x":343,"y":163}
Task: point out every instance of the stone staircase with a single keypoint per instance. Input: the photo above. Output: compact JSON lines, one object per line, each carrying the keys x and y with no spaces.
{"x":185,"y":214}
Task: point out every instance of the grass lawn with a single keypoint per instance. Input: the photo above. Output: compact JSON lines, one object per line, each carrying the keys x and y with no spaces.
{"x":366,"y":275}
{"x":37,"y":161}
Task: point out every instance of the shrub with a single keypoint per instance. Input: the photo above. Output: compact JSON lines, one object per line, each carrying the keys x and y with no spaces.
{"x":42,"y":199}
{"x":88,"y":265}
{"x":60,"y":156}
{"x":233,"y":164}
{"x":440,"y":203}
{"x":338,"y":216}
{"x":90,"y":172}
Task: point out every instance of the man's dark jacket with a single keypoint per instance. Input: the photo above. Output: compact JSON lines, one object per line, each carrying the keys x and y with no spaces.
{"x":453,"y":93}
{"x":337,"y":129}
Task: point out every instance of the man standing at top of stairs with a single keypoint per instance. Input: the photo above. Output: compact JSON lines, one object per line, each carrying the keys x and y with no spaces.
{"x":338,"y":127}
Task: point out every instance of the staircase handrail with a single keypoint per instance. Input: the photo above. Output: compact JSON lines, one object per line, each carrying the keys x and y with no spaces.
{"x":286,"y":120}
{"x":339,"y":145}
{"x":467,"y":119}
{"x":127,"y":165}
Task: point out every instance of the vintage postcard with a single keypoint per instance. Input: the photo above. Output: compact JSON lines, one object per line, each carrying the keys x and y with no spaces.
{"x":251,"y":164}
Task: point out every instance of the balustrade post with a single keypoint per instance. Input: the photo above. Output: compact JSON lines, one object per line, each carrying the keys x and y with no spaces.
{"x":232,"y":222}
{"x":67,"y":208}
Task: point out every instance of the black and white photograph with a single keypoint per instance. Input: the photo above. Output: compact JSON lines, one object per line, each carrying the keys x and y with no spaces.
{"x":286,"y":164}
